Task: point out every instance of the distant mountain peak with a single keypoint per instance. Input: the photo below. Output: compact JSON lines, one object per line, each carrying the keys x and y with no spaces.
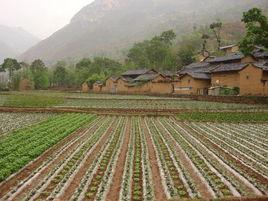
{"x":110,"y":27}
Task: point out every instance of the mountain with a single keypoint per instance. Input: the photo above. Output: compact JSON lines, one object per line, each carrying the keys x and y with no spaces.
{"x":14,"y":41}
{"x":109,"y":27}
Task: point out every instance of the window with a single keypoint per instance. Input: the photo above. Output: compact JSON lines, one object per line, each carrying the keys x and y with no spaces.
{"x":189,"y":81}
{"x":247,"y":77}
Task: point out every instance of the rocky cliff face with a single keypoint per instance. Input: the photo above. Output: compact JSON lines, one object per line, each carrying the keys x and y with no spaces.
{"x":109,"y":27}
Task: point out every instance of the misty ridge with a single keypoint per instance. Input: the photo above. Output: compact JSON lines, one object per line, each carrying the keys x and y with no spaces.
{"x":110,"y":27}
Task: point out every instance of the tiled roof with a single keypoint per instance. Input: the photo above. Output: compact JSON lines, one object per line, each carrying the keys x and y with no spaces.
{"x":261,"y":54}
{"x":263,"y":65}
{"x":229,"y":67}
{"x":136,"y":72}
{"x":201,"y":67}
{"x":202,"y":76}
{"x":167,"y":73}
{"x":146,"y":77}
{"x":114,"y":78}
{"x":231,"y":57}
{"x":127,"y":79}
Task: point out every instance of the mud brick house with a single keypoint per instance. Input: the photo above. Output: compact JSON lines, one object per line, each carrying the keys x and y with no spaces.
{"x":133,"y":74}
{"x":154,"y":83}
{"x":193,"y":83}
{"x":194,"y":79}
{"x":111,"y":85}
{"x":97,"y":87}
{"x":244,"y":72}
{"x":122,"y":86}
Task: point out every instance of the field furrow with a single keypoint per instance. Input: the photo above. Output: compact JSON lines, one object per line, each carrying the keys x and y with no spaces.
{"x":85,"y":157}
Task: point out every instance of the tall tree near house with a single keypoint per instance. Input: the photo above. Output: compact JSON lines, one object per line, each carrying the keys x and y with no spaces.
{"x":256,"y":30}
{"x":216,"y":27}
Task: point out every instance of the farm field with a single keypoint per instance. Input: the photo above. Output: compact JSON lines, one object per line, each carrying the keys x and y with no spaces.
{"x":108,"y":157}
{"x":103,"y":101}
{"x":13,"y":121}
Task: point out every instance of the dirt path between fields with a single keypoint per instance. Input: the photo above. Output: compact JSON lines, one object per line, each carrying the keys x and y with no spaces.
{"x":13,"y":181}
{"x":58,"y":160}
{"x":157,"y":181}
{"x":110,"y":111}
{"x":77,"y":178}
{"x":113,"y":193}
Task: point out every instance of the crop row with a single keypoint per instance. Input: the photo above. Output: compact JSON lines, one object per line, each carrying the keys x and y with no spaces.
{"x":23,"y":146}
{"x":144,"y":158}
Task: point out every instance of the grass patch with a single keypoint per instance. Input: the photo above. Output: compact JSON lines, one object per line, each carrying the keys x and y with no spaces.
{"x":32,"y":101}
{"x":224,"y":117}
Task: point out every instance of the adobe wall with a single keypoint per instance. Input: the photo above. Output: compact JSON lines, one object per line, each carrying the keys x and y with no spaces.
{"x":161,"y":88}
{"x":97,"y":88}
{"x":110,"y":86}
{"x":85,"y":88}
{"x":122,"y":86}
{"x":226,"y":79}
{"x":190,"y":86}
{"x":250,"y":81}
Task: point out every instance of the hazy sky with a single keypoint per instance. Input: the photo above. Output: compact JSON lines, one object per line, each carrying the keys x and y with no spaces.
{"x":40,"y":17}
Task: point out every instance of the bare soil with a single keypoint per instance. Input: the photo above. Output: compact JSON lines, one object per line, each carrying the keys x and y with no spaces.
{"x":113,"y":193}
{"x":202,"y":188}
{"x":157,"y":181}
{"x":246,"y":169}
{"x":69,"y":191}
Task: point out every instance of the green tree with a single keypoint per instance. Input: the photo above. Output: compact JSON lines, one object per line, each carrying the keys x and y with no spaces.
{"x":168,"y":37}
{"x":155,"y":53}
{"x":99,"y":65}
{"x":256,"y":30}
{"x":40,"y":74}
{"x":60,"y":74}
{"x":137,"y":54}
{"x":186,"y":55}
{"x":11,"y":65}
{"x":25,"y":73}
{"x":96,"y":77}
{"x":216,"y":27}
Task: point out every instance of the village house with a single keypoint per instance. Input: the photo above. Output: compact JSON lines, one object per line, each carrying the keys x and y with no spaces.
{"x":111,"y":85}
{"x":97,"y":87}
{"x":153,"y":84}
{"x":245,"y":75}
{"x":194,"y":79}
{"x":239,"y":71}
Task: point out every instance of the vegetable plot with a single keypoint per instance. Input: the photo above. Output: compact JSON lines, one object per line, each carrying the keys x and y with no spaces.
{"x":140,"y":158}
{"x":22,"y":146}
{"x":13,"y":121}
